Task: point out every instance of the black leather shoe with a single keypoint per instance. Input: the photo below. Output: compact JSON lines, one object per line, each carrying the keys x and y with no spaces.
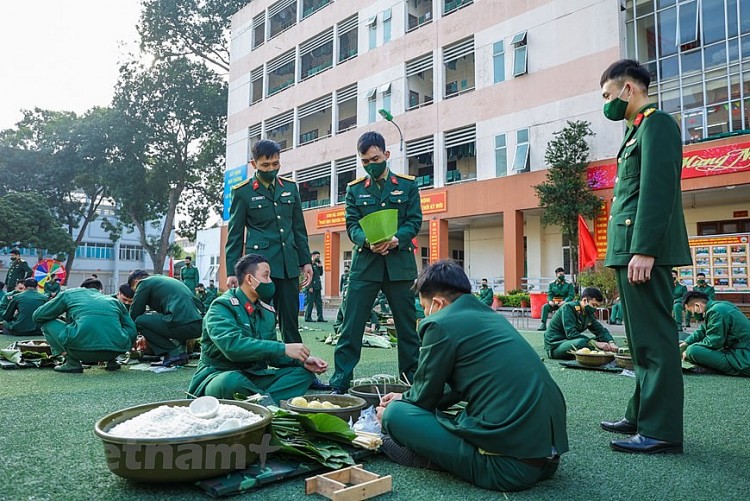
{"x":621,"y":426}
{"x":638,"y":444}
{"x":320,"y":385}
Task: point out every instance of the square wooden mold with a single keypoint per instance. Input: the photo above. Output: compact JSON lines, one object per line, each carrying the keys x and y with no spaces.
{"x":349,"y":484}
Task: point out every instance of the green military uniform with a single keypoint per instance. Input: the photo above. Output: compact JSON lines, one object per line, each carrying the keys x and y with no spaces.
{"x":678,"y":292}
{"x":51,"y":288}
{"x":97,"y":327}
{"x":706,"y":289}
{"x":18,"y":319}
{"x":177,"y":316}
{"x":5,"y":301}
{"x":2,"y":297}
{"x":486,"y":295}
{"x":615,"y":318}
{"x":558,"y":290}
{"x":647,"y":218}
{"x":211,"y":294}
{"x":18,"y":271}
{"x":237,"y":346}
{"x":314,"y":293}
{"x":382,"y":301}
{"x":565,"y":331}
{"x":515,"y":409}
{"x":189,"y":277}
{"x":343,"y":283}
{"x":276,"y":230}
{"x":722,"y":343}
{"x":394,"y":273}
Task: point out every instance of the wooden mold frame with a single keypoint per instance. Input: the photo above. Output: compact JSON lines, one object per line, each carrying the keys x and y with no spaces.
{"x":349,"y":484}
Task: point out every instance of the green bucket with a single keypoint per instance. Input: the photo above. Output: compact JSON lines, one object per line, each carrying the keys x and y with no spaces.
{"x":380,"y":226}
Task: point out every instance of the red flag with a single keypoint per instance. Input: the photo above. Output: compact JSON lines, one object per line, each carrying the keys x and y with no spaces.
{"x":415,"y":243}
{"x":586,"y":246}
{"x":171,"y":267}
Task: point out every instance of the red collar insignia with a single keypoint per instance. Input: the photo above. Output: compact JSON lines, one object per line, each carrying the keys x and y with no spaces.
{"x":281,"y":183}
{"x":255,"y":184}
{"x":249,"y":308}
{"x":638,"y":119}
{"x":367,"y":183}
{"x":394,"y":180}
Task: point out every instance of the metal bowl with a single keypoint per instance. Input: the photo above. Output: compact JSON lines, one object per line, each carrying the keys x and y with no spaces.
{"x":370,"y":394}
{"x":180,"y":459}
{"x":592,"y":360}
{"x":351,"y":406}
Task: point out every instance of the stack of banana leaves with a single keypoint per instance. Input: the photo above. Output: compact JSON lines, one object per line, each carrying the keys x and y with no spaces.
{"x":314,"y":436}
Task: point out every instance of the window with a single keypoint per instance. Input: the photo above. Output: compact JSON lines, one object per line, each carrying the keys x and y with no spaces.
{"x":498,"y":61}
{"x":687,"y":24}
{"x":520,"y":56}
{"x":279,"y":129}
{"x":346,"y":171}
{"x":281,"y":16}
{"x":521,"y":159}
{"x":372,"y":26}
{"x":460,"y":154}
{"x":385,"y":91}
{"x":424,"y":252}
{"x":501,"y":156}
{"x":310,"y":7}
{"x":346,"y":100}
{"x":253,"y":136}
{"x":566,"y":254}
{"x":281,"y":72}
{"x":347,"y":32}
{"x":387,"y":15}
{"x":213,"y":269}
{"x":131,"y":252}
{"x":259,"y":30}
{"x":420,"y":156}
{"x":459,"y":67}
{"x":348,"y":259}
{"x":458,"y":256}
{"x":724,"y":227}
{"x":372,"y":111}
{"x":256,"y":85}
{"x":419,"y":81}
{"x":90,"y":250}
{"x":315,"y":120}
{"x":418,"y":12}
{"x":314,"y":185}
{"x":316,"y":54}
{"x":450,"y":6}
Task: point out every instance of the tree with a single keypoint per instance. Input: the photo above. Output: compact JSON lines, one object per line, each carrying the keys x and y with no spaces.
{"x":177,"y":28}
{"x":565,"y":193}
{"x":174,"y":115}
{"x":27,"y":222}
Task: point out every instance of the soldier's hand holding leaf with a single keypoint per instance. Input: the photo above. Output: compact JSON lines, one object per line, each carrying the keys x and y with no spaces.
{"x":297,"y":351}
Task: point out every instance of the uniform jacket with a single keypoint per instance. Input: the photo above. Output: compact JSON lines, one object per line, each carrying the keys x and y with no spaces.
{"x":364,"y":197}
{"x":513,"y":407}
{"x":167,"y":296}
{"x":563,"y":290}
{"x":570,"y":323}
{"x":17,"y":272}
{"x":486,"y":295}
{"x":725,"y":328}
{"x":317,"y":273}
{"x":238,"y":335}
{"x":51,"y":287}
{"x":678,"y":292}
{"x":646,"y":215}
{"x":18,"y":315}
{"x":189,"y":277}
{"x":94,"y":320}
{"x":275,"y":226}
{"x":707,"y":290}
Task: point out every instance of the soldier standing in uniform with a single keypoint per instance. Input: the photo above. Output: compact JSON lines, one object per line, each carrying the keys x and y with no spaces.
{"x":678,"y":292}
{"x":269,"y":206}
{"x":701,"y":286}
{"x":558,"y":292}
{"x":485,"y":293}
{"x":314,"y":291}
{"x":189,"y":274}
{"x":343,"y":281}
{"x":389,"y":265}
{"x":18,"y":271}
{"x":646,"y":237}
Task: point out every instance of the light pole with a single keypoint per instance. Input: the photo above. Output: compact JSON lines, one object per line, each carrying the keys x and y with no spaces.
{"x":387,"y":115}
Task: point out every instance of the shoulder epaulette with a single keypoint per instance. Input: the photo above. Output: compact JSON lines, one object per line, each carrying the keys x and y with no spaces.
{"x":358,"y":180}
{"x":406,"y":176}
{"x":648,"y":112}
{"x":287,"y":179}
{"x":267,"y":306}
{"x":243,"y":183}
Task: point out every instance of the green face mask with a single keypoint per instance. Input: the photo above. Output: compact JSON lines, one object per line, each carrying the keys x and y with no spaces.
{"x":267,"y":175}
{"x":265,"y":290}
{"x":701,"y":282}
{"x":375,"y":170}
{"x":561,"y":277}
{"x":615,"y":109}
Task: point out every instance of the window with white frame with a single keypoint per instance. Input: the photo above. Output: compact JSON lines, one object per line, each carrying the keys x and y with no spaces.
{"x":131,"y":253}
{"x":420,"y":156}
{"x":372,"y":31}
{"x":253,"y":136}
{"x":520,"y":54}
{"x":459,"y":67}
{"x":347,"y":33}
{"x":280,"y":129}
{"x":385,"y":91}
{"x":281,"y":72}
{"x":346,"y":100}
{"x":460,"y":154}
{"x":259,"y":30}
{"x":281,"y":16}
{"x":521,"y":158}
{"x":387,"y":15}
{"x":315,"y":120}
{"x":419,"y":81}
{"x":346,"y":171}
{"x":418,"y":13}
{"x":316,"y":54}
{"x":314,"y":184}
{"x":498,"y":61}
{"x":501,"y":156}
{"x":372,"y":108}
{"x":256,"y":85}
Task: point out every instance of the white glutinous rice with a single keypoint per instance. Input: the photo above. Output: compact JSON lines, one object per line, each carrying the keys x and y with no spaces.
{"x":170,"y":422}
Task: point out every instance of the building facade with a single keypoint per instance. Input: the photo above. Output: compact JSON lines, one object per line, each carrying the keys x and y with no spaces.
{"x":478,"y":89}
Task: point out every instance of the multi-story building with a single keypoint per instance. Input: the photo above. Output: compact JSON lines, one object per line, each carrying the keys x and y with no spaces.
{"x":478,"y":89}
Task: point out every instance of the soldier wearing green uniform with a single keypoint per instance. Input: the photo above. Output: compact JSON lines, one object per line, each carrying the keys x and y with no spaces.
{"x":125,"y":295}
{"x":5,"y":301}
{"x":513,"y":430}
{"x":646,"y":237}
{"x":2,"y":291}
{"x":18,"y":271}
{"x":269,"y":206}
{"x":558,"y":292}
{"x":52,"y":287}
{"x":189,"y":274}
{"x":615,"y":316}
{"x":485,"y":293}
{"x":566,"y":330}
{"x":678,"y":292}
{"x":722,"y":343}
{"x":18,"y":316}
{"x":240,"y":352}
{"x":211,"y":292}
{"x":313,"y":295}
{"x":389,"y":265}
{"x":176,"y":315}
{"x":202,"y":295}
{"x":344,"y":281}
{"x":382,"y":301}
{"x":701,"y":286}
{"x":97,"y":327}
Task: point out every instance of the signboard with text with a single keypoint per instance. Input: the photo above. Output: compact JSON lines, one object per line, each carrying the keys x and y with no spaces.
{"x":723,"y":258}
{"x":432,"y":203}
{"x":600,"y":230}
{"x":331,"y":217}
{"x":232,"y":177}
{"x":434,"y":240}
{"x":327,"y":247}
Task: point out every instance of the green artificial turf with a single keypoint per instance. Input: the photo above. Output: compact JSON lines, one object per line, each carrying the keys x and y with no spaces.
{"x":48,"y":449}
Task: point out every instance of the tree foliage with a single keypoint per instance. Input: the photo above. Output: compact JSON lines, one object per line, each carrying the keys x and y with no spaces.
{"x":28,"y":222}
{"x":565,"y":193}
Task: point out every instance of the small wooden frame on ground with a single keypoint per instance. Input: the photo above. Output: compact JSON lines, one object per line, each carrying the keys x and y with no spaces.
{"x":349,"y":484}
